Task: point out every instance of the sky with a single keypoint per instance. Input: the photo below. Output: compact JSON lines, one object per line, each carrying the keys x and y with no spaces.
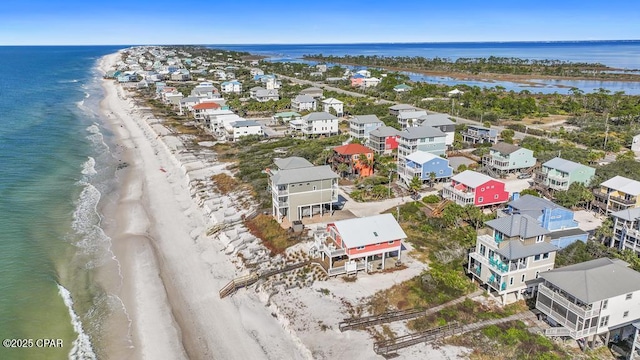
{"x":140,"y":22}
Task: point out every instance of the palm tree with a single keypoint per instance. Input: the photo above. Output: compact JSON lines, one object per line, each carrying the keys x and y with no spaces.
{"x":343,"y":169}
{"x":415,"y":184}
{"x":432,"y":178}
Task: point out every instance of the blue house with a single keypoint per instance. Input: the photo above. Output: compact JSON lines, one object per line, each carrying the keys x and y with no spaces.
{"x":422,"y":164}
{"x":555,"y":218}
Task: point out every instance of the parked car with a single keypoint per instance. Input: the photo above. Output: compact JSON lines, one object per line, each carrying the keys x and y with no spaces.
{"x":524,"y":176}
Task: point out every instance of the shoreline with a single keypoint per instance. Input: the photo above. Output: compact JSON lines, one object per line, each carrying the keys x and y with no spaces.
{"x":171,"y":270}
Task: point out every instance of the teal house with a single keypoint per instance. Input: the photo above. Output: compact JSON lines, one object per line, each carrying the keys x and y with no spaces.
{"x":506,"y":158}
{"x":558,"y":174}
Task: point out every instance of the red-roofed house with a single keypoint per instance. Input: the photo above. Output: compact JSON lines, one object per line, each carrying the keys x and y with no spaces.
{"x":354,"y":156}
{"x":354,"y":244}
{"x":205,"y":108}
{"x":473,"y":188}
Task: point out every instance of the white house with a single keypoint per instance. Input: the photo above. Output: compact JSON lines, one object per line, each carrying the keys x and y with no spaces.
{"x":242,"y":128}
{"x":370,"y":82}
{"x":335,"y":104}
{"x":319,"y":123}
{"x":303,"y":103}
{"x":233,"y":86}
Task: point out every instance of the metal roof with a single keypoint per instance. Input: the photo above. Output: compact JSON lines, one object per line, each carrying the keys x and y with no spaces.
{"x":384,"y":131}
{"x":627,"y":214}
{"x":365,"y":119}
{"x":299,"y":175}
{"x":244,"y":123}
{"x":516,"y":249}
{"x":623,"y":184}
{"x":332,"y":101}
{"x":421,"y":157}
{"x":369,"y":230}
{"x":293,"y":162}
{"x":411,"y":114}
{"x":436,"y":120}
{"x":563,"y":165}
{"x":472,"y":178}
{"x":402,"y":107}
{"x":523,"y":226}
{"x":595,"y":280}
{"x":530,"y":205}
{"x":304,"y":99}
{"x":564,"y":233}
{"x":505,"y":148}
{"x":316,"y":116}
{"x":421,"y":132}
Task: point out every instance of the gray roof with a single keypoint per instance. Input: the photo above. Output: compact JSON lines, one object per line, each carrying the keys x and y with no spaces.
{"x":563,"y":165}
{"x":369,"y":230}
{"x":304,"y":99}
{"x":421,"y":132}
{"x":257,"y":88}
{"x":472,"y":178}
{"x":523,"y":226}
{"x":436,"y":120}
{"x":421,"y":157}
{"x":365,"y":119}
{"x":313,"y":173}
{"x":293,"y":162}
{"x":515,"y":249}
{"x":411,"y":114}
{"x":316,"y":116}
{"x":504,"y":148}
{"x":402,"y":107}
{"x":265,"y":92}
{"x":533,"y":205}
{"x":384,"y":131}
{"x":595,"y":280}
{"x":244,"y":123}
{"x":564,"y":233}
{"x":623,"y":184}
{"x":189,"y":99}
{"x":627,"y":214}
{"x":311,"y":90}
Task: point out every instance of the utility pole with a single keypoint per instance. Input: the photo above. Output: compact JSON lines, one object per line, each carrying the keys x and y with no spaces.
{"x":606,"y":132}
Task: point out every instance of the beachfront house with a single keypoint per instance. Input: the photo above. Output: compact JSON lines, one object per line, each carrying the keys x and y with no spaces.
{"x":384,"y":140}
{"x":596,"y":297}
{"x":615,"y":194}
{"x":317,"y":124}
{"x":241,"y":128}
{"x":300,"y":189}
{"x":626,"y":229}
{"x":233,"y":86}
{"x":303,"y":103}
{"x":564,"y":230}
{"x":187,"y":103}
{"x":202,"y":111}
{"x":367,"y":243}
{"x":475,"y":134}
{"x":473,"y":188}
{"x":426,"y":166}
{"x":332,"y":104}
{"x":504,"y":158}
{"x":442,"y":122}
{"x":358,"y":158}
{"x":395,"y":110}
{"x":558,"y":174}
{"x":361,"y":126}
{"x":410,"y":118}
{"x":509,"y":253}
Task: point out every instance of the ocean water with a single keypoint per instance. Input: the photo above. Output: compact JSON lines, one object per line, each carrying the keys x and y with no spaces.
{"x":616,"y":54}
{"x":56,"y":165}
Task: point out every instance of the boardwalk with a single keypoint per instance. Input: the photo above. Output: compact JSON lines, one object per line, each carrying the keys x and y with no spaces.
{"x":247,"y":280}
{"x":442,"y":332}
{"x":362,"y":322}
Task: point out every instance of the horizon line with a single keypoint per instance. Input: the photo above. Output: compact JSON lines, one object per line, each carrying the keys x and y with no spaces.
{"x":346,"y":43}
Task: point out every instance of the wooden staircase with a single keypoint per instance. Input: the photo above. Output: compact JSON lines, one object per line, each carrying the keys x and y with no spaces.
{"x":247,"y":280}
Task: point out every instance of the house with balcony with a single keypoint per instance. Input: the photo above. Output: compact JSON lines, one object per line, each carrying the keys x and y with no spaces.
{"x":358,"y":158}
{"x":422,"y":164}
{"x":442,"y":122}
{"x":615,"y":194}
{"x":473,"y":188}
{"x":506,"y":158}
{"x":238,"y":129}
{"x":509,"y":253}
{"x":422,"y":138}
{"x":626,"y":229}
{"x":261,"y":94}
{"x":361,"y":125}
{"x":335,"y":104}
{"x":475,"y":134}
{"x":300,"y":189}
{"x":408,"y":119}
{"x":303,"y":103}
{"x":348,"y":246}
{"x":589,"y":299}
{"x":395,"y":110}
{"x":384,"y":140}
{"x":558,"y":174}
{"x":564,"y":230}
{"x":233,"y":86}
{"x":317,"y":124}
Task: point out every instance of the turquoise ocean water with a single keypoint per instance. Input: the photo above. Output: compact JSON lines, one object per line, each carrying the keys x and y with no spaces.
{"x":57,"y":170}
{"x":55,"y":163}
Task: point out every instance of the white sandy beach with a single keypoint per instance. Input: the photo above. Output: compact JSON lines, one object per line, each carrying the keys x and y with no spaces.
{"x":172,"y":271}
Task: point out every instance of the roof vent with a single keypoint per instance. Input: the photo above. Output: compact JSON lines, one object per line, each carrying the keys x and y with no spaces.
{"x":375,"y":233}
